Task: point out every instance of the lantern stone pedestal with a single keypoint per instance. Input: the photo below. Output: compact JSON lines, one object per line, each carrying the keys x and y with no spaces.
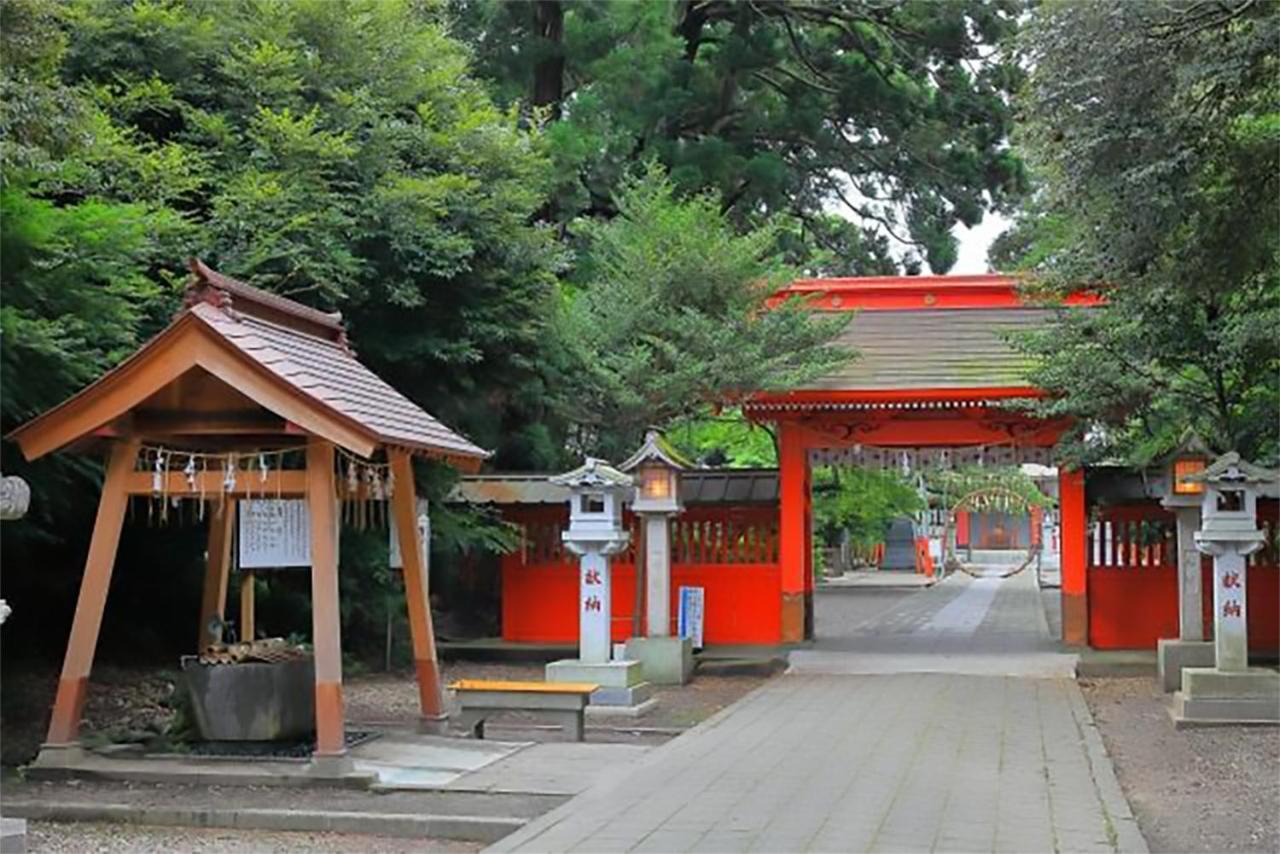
{"x":1183,"y":497}
{"x":1229,"y":692}
{"x":1189,"y":649}
{"x":1175,"y":655}
{"x":666,"y":660}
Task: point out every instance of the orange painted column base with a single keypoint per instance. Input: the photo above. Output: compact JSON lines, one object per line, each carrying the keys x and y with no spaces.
{"x":1075,"y":619}
{"x":331,"y":737}
{"x":793,"y":617}
{"x":429,"y":694}
{"x":64,"y":727}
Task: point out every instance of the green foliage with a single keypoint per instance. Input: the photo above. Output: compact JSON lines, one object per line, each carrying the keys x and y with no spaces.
{"x":894,"y":112}
{"x":336,"y":151}
{"x":1154,"y":130}
{"x":670,"y":318}
{"x":861,"y":501}
{"x":948,"y":486}
{"x":725,"y":439}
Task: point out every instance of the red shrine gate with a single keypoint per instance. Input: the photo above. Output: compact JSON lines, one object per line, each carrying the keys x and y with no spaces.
{"x":932,"y":385}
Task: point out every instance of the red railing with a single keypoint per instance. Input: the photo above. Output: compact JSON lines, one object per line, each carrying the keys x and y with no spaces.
{"x":1133,"y":579}
{"x":1133,"y":576}
{"x":729,"y":551}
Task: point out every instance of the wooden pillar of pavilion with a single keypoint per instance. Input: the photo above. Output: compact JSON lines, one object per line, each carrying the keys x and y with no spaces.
{"x":213,"y":600}
{"x":326,"y":623}
{"x":416,"y":592}
{"x":793,"y":532}
{"x":1075,"y":569}
{"x":64,"y":724}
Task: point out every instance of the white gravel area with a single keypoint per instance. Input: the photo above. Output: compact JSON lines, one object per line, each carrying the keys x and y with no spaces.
{"x":137,"y":839}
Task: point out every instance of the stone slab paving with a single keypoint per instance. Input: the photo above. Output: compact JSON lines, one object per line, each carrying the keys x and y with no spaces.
{"x":846,"y":754}
{"x":552,"y":768}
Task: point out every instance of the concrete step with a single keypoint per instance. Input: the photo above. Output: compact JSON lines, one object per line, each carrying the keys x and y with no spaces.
{"x":994,"y":556}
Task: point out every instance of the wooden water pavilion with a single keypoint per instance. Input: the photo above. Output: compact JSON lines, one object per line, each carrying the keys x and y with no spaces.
{"x":270,"y":392}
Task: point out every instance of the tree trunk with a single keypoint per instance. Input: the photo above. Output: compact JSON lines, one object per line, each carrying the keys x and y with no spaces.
{"x":548,"y":73}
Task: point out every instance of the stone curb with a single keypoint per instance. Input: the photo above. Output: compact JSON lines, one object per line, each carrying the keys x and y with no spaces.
{"x":1128,"y":836}
{"x":486,"y":829}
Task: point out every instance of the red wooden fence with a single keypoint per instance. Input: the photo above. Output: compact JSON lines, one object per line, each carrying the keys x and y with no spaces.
{"x":1133,"y":579}
{"x":730,"y":551}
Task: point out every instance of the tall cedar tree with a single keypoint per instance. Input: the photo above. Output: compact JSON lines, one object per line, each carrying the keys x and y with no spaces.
{"x":896,"y":113}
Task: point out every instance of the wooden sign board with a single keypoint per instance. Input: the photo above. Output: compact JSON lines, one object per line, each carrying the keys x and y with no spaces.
{"x":274,"y":533}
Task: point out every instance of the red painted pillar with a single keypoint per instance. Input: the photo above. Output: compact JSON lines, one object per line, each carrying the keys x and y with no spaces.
{"x":962,"y":528}
{"x":793,"y":526}
{"x":1075,"y":578}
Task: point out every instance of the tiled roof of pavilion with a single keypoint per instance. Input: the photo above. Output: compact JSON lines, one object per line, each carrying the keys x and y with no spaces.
{"x":302,"y":350}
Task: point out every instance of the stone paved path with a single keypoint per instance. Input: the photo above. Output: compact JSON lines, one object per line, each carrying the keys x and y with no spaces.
{"x":945,"y":723}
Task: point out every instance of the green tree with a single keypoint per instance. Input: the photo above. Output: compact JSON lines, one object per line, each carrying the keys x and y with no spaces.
{"x":894,"y":112}
{"x":335,"y":151}
{"x":1154,"y":132}
{"x":669,"y":318}
{"x":83,"y":270}
{"x":861,"y":502}
{"x":725,"y":438}
{"x":340,"y":152}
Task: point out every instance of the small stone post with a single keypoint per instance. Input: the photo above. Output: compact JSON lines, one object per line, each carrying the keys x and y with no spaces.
{"x":595,"y":533}
{"x":1230,"y":691}
{"x":666,"y":660}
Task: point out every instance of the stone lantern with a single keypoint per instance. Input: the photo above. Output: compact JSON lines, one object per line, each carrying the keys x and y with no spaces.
{"x":15,"y":498}
{"x":666,"y":660}
{"x":1230,"y":691}
{"x":1182,"y":492}
{"x":597,"y":492}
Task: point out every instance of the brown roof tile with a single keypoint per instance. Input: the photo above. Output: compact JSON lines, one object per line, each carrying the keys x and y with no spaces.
{"x":948,"y":348}
{"x":327,"y":373}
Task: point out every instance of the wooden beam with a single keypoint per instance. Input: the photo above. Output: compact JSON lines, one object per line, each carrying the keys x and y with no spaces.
{"x":326,"y":627}
{"x":217,"y":569}
{"x":288,"y":484}
{"x":64,"y":725}
{"x":185,"y":344}
{"x":206,"y":423}
{"x":110,"y":397}
{"x":404,"y":505}
{"x":248,"y":608}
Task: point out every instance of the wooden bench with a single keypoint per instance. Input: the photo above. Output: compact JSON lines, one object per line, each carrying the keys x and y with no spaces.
{"x":480,"y":699}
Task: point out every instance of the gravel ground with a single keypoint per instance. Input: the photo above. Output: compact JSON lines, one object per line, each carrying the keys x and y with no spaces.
{"x":1210,"y":790}
{"x":113,"y":838}
{"x":132,"y":703}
